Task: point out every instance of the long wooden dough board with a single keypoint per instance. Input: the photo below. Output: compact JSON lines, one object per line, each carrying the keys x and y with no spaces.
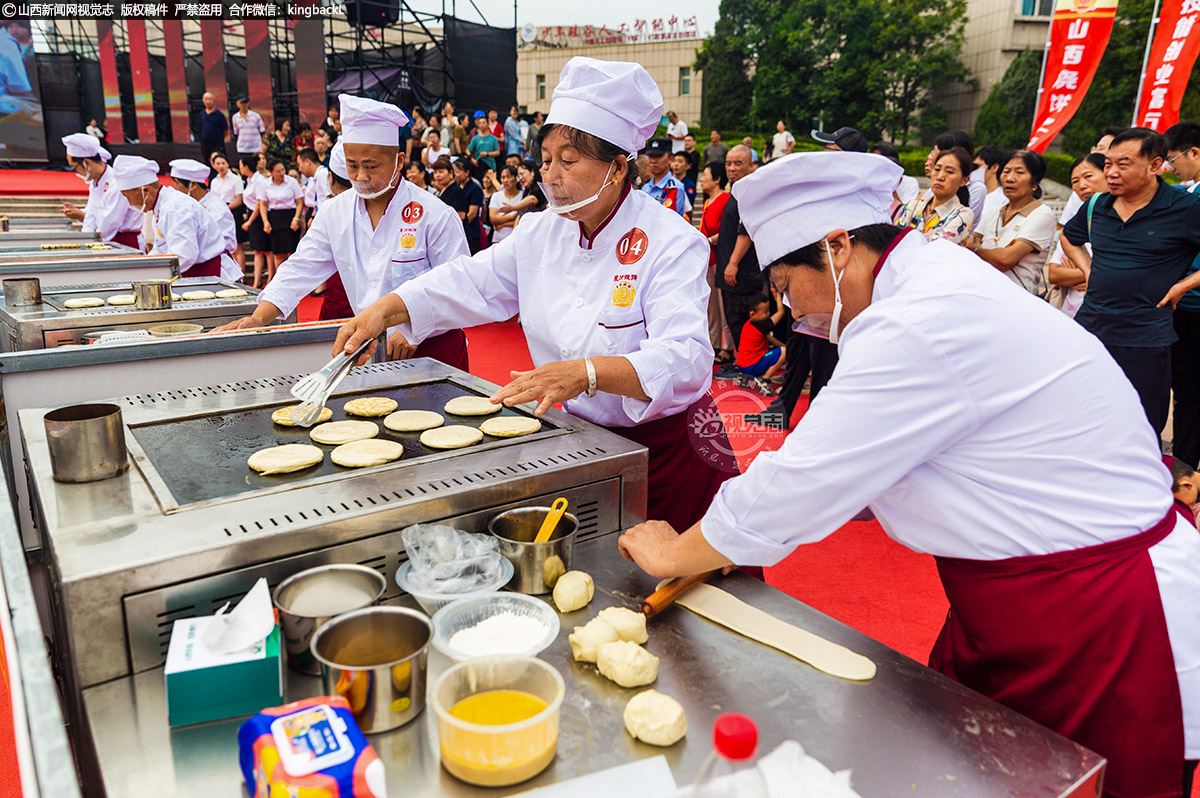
{"x":721,"y":607}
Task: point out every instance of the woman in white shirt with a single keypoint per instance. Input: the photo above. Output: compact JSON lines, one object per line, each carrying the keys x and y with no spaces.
{"x":510,"y":191}
{"x":281,"y":204}
{"x":942,"y":213}
{"x":254,"y":170}
{"x":1016,"y":237}
{"x":1068,"y":283}
{"x":228,"y":186}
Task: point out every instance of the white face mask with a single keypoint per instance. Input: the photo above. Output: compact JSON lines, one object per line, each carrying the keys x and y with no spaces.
{"x":555,"y":190}
{"x":363,"y":187}
{"x":824,"y":325}
{"x":144,"y":200}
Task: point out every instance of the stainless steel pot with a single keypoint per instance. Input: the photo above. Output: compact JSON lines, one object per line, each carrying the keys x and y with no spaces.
{"x":22,"y":291}
{"x":376,"y":658}
{"x":307,"y":600}
{"x":533,"y":562}
{"x":87,"y":442}
{"x":151,"y":294}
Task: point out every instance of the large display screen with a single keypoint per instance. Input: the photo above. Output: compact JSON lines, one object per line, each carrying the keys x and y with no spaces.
{"x":22,"y":124}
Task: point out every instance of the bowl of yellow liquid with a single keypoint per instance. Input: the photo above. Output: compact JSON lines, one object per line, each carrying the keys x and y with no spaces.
{"x":498,"y":718}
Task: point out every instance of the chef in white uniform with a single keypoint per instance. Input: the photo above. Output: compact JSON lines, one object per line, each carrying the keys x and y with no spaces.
{"x":181,"y":225}
{"x":190,"y":177}
{"x":982,"y":426}
{"x":107,"y":212}
{"x":609,"y":284}
{"x":377,"y":237}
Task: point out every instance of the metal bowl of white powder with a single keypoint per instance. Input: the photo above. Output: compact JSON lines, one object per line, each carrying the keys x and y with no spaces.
{"x":499,"y":623}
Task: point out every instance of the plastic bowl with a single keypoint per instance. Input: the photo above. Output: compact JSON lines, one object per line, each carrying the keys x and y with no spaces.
{"x":431,"y":602}
{"x":497,"y":756}
{"x":465,"y":613}
{"x":172,"y":330}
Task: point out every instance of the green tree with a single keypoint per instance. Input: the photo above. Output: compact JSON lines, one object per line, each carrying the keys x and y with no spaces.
{"x":1006,"y":117}
{"x":726,"y":58}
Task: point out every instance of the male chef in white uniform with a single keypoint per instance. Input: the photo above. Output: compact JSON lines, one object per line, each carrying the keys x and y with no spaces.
{"x":377,"y":237}
{"x":181,"y":225}
{"x":107,"y":212}
{"x":983,"y":427}
{"x":191,"y":177}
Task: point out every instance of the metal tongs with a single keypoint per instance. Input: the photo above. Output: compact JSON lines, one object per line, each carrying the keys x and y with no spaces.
{"x":313,"y":391}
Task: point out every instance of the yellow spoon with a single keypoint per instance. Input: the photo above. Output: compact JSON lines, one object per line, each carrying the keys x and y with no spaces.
{"x":556,"y":512}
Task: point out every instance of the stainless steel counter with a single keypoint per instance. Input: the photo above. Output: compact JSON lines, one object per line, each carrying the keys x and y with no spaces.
{"x":23,"y":239}
{"x":66,"y":271}
{"x":69,"y":251}
{"x":910,"y":731}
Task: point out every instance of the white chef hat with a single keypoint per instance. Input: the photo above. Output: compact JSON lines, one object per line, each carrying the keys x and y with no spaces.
{"x":615,"y":100}
{"x":85,"y":145}
{"x":366,"y":121}
{"x":134,"y":171}
{"x":337,"y":161}
{"x":188,"y":169}
{"x":803,"y":197}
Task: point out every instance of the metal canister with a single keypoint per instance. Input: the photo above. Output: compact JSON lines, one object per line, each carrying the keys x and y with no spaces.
{"x":533,"y":562}
{"x":22,"y":292}
{"x":151,"y":294}
{"x":376,"y":658}
{"x":87,"y":442}
{"x":307,"y":600}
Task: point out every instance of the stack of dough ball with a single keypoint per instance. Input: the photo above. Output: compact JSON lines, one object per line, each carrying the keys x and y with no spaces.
{"x":285,"y":459}
{"x":338,"y":432}
{"x":370,"y":406}
{"x":626,"y":663}
{"x":363,"y":454}
{"x":655,"y":718}
{"x":413,"y":420}
{"x":283,"y":416}
{"x":471,"y":406}
{"x":586,"y":639}
{"x":630,"y":625}
{"x":573,"y":591}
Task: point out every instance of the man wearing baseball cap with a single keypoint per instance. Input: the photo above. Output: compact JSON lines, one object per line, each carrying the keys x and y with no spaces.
{"x":844,"y":139}
{"x":667,"y":189}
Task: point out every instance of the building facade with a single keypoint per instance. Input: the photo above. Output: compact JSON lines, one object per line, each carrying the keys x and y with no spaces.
{"x":667,"y":52}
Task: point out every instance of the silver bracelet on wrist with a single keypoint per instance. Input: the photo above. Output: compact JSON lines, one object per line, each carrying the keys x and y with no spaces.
{"x":591,"y":374}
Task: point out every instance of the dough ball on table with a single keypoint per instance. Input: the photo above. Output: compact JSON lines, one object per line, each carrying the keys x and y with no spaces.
{"x":370,"y":406}
{"x":552,"y":570}
{"x":285,"y":459}
{"x":627,"y":664}
{"x":510,"y":426}
{"x":363,"y":454}
{"x":413,"y":420}
{"x":573,"y":591}
{"x":338,"y":432}
{"x":586,"y":639}
{"x":122,"y":299}
{"x":283,"y":416}
{"x":198,"y":296}
{"x":630,"y":625}
{"x":84,"y":302}
{"x":471,"y":406}
{"x":231,"y":293}
{"x":456,"y":436}
{"x":655,"y":718}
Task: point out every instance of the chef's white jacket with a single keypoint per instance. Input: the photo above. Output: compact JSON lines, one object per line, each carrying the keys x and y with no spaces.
{"x":416,"y":233}
{"x":183,"y":228}
{"x":220,"y":213}
{"x":977,"y":422}
{"x":577,"y":299}
{"x":107,"y":211}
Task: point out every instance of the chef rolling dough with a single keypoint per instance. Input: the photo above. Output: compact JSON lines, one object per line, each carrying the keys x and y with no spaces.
{"x":655,"y":718}
{"x":84,"y":302}
{"x":455,"y":436}
{"x":573,"y":591}
{"x":471,"y":406}
{"x":363,"y":454}
{"x":627,"y":664}
{"x":630,"y":625}
{"x":589,"y":637}
{"x":283,"y":416}
{"x":338,"y":432}
{"x":285,"y":459}
{"x":510,"y":426}
{"x":413,"y":420}
{"x":370,"y":406}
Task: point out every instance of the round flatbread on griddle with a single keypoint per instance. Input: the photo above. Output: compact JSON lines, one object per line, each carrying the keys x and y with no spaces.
{"x":510,"y":426}
{"x":121,"y":299}
{"x":231,"y":293}
{"x":413,"y":420}
{"x":455,"y":436}
{"x":285,"y":459}
{"x":471,"y":406}
{"x":335,"y":433}
{"x":198,"y":296}
{"x":84,"y":302}
{"x":364,"y":454}
{"x":283,"y":416}
{"x":370,"y":406}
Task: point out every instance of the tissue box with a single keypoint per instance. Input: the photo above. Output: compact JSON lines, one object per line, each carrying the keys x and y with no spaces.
{"x":204,"y":686}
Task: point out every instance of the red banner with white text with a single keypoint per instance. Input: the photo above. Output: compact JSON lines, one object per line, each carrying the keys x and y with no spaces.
{"x":1176,"y":45}
{"x":1079,"y":33}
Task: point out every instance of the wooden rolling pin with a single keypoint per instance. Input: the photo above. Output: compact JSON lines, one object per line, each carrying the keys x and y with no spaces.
{"x":666,"y":595}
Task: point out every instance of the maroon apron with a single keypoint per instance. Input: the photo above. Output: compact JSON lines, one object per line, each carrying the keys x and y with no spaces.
{"x":334,"y":302}
{"x":1077,"y":641}
{"x":208,"y":268}
{"x":128,"y":238}
{"x":449,"y":347}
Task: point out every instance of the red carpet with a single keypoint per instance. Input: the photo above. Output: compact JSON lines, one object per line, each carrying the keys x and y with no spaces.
{"x":37,"y":181}
{"x":10,"y":779}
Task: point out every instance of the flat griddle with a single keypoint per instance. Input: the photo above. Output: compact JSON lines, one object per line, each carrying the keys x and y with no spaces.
{"x":203,"y":458}
{"x":57,"y":298}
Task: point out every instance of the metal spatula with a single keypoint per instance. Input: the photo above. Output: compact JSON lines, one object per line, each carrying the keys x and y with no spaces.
{"x":313,"y":391}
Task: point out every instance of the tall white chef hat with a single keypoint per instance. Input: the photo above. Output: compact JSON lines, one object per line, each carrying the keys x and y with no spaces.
{"x":366,"y":121}
{"x":188,"y":169}
{"x":85,"y":145}
{"x":337,"y":161}
{"x":803,"y":197}
{"x":134,"y":171}
{"x":615,"y":100}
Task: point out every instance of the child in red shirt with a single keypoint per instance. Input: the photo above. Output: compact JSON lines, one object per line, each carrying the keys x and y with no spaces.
{"x":760,"y":354}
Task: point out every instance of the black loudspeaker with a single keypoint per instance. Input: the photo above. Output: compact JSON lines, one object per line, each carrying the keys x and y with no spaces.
{"x":372,"y":13}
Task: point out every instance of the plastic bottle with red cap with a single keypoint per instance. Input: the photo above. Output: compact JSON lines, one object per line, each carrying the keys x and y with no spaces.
{"x":735,"y":741}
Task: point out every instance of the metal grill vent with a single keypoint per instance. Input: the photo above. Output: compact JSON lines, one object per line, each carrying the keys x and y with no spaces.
{"x":376,"y":368}
{"x":209,"y":390}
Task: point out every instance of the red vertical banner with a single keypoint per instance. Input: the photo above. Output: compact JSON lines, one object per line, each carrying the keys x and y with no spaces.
{"x":213,"y":42}
{"x":139,"y":67}
{"x":1079,"y":33}
{"x":1176,"y":45}
{"x":108,"y":78}
{"x":258,"y":70}
{"x":309,"y":38}
{"x":176,"y":80}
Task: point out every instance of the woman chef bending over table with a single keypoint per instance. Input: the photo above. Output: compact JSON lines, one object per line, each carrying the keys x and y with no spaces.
{"x":983,"y":427}
{"x":610,"y":288}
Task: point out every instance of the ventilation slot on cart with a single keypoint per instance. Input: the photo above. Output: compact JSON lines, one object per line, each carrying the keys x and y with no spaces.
{"x":211,"y":390}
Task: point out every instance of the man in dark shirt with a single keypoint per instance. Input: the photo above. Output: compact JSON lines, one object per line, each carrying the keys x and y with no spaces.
{"x":448,"y":191}
{"x":737,"y":264}
{"x":473,"y":194}
{"x":213,"y":128}
{"x":1144,"y":235}
{"x":693,"y":156}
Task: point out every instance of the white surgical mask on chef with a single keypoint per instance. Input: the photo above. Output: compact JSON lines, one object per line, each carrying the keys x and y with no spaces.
{"x":824,"y":325}
{"x":558,"y":194}
{"x":145,"y":199}
{"x":367,"y":188}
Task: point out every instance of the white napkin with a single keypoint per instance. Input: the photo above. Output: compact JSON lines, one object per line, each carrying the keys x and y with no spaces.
{"x":248,"y":625}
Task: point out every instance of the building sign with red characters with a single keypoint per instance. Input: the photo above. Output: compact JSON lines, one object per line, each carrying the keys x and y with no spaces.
{"x":638,"y":31}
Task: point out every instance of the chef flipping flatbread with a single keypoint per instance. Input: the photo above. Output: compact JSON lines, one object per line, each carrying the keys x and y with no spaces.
{"x":983,"y":427}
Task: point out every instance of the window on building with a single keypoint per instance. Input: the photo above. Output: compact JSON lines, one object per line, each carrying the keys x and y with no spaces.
{"x":685,"y":80}
{"x":1041,"y":8}
{"x":541,"y":87}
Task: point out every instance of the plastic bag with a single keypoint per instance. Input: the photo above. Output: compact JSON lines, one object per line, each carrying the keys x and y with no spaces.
{"x":448,"y":560}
